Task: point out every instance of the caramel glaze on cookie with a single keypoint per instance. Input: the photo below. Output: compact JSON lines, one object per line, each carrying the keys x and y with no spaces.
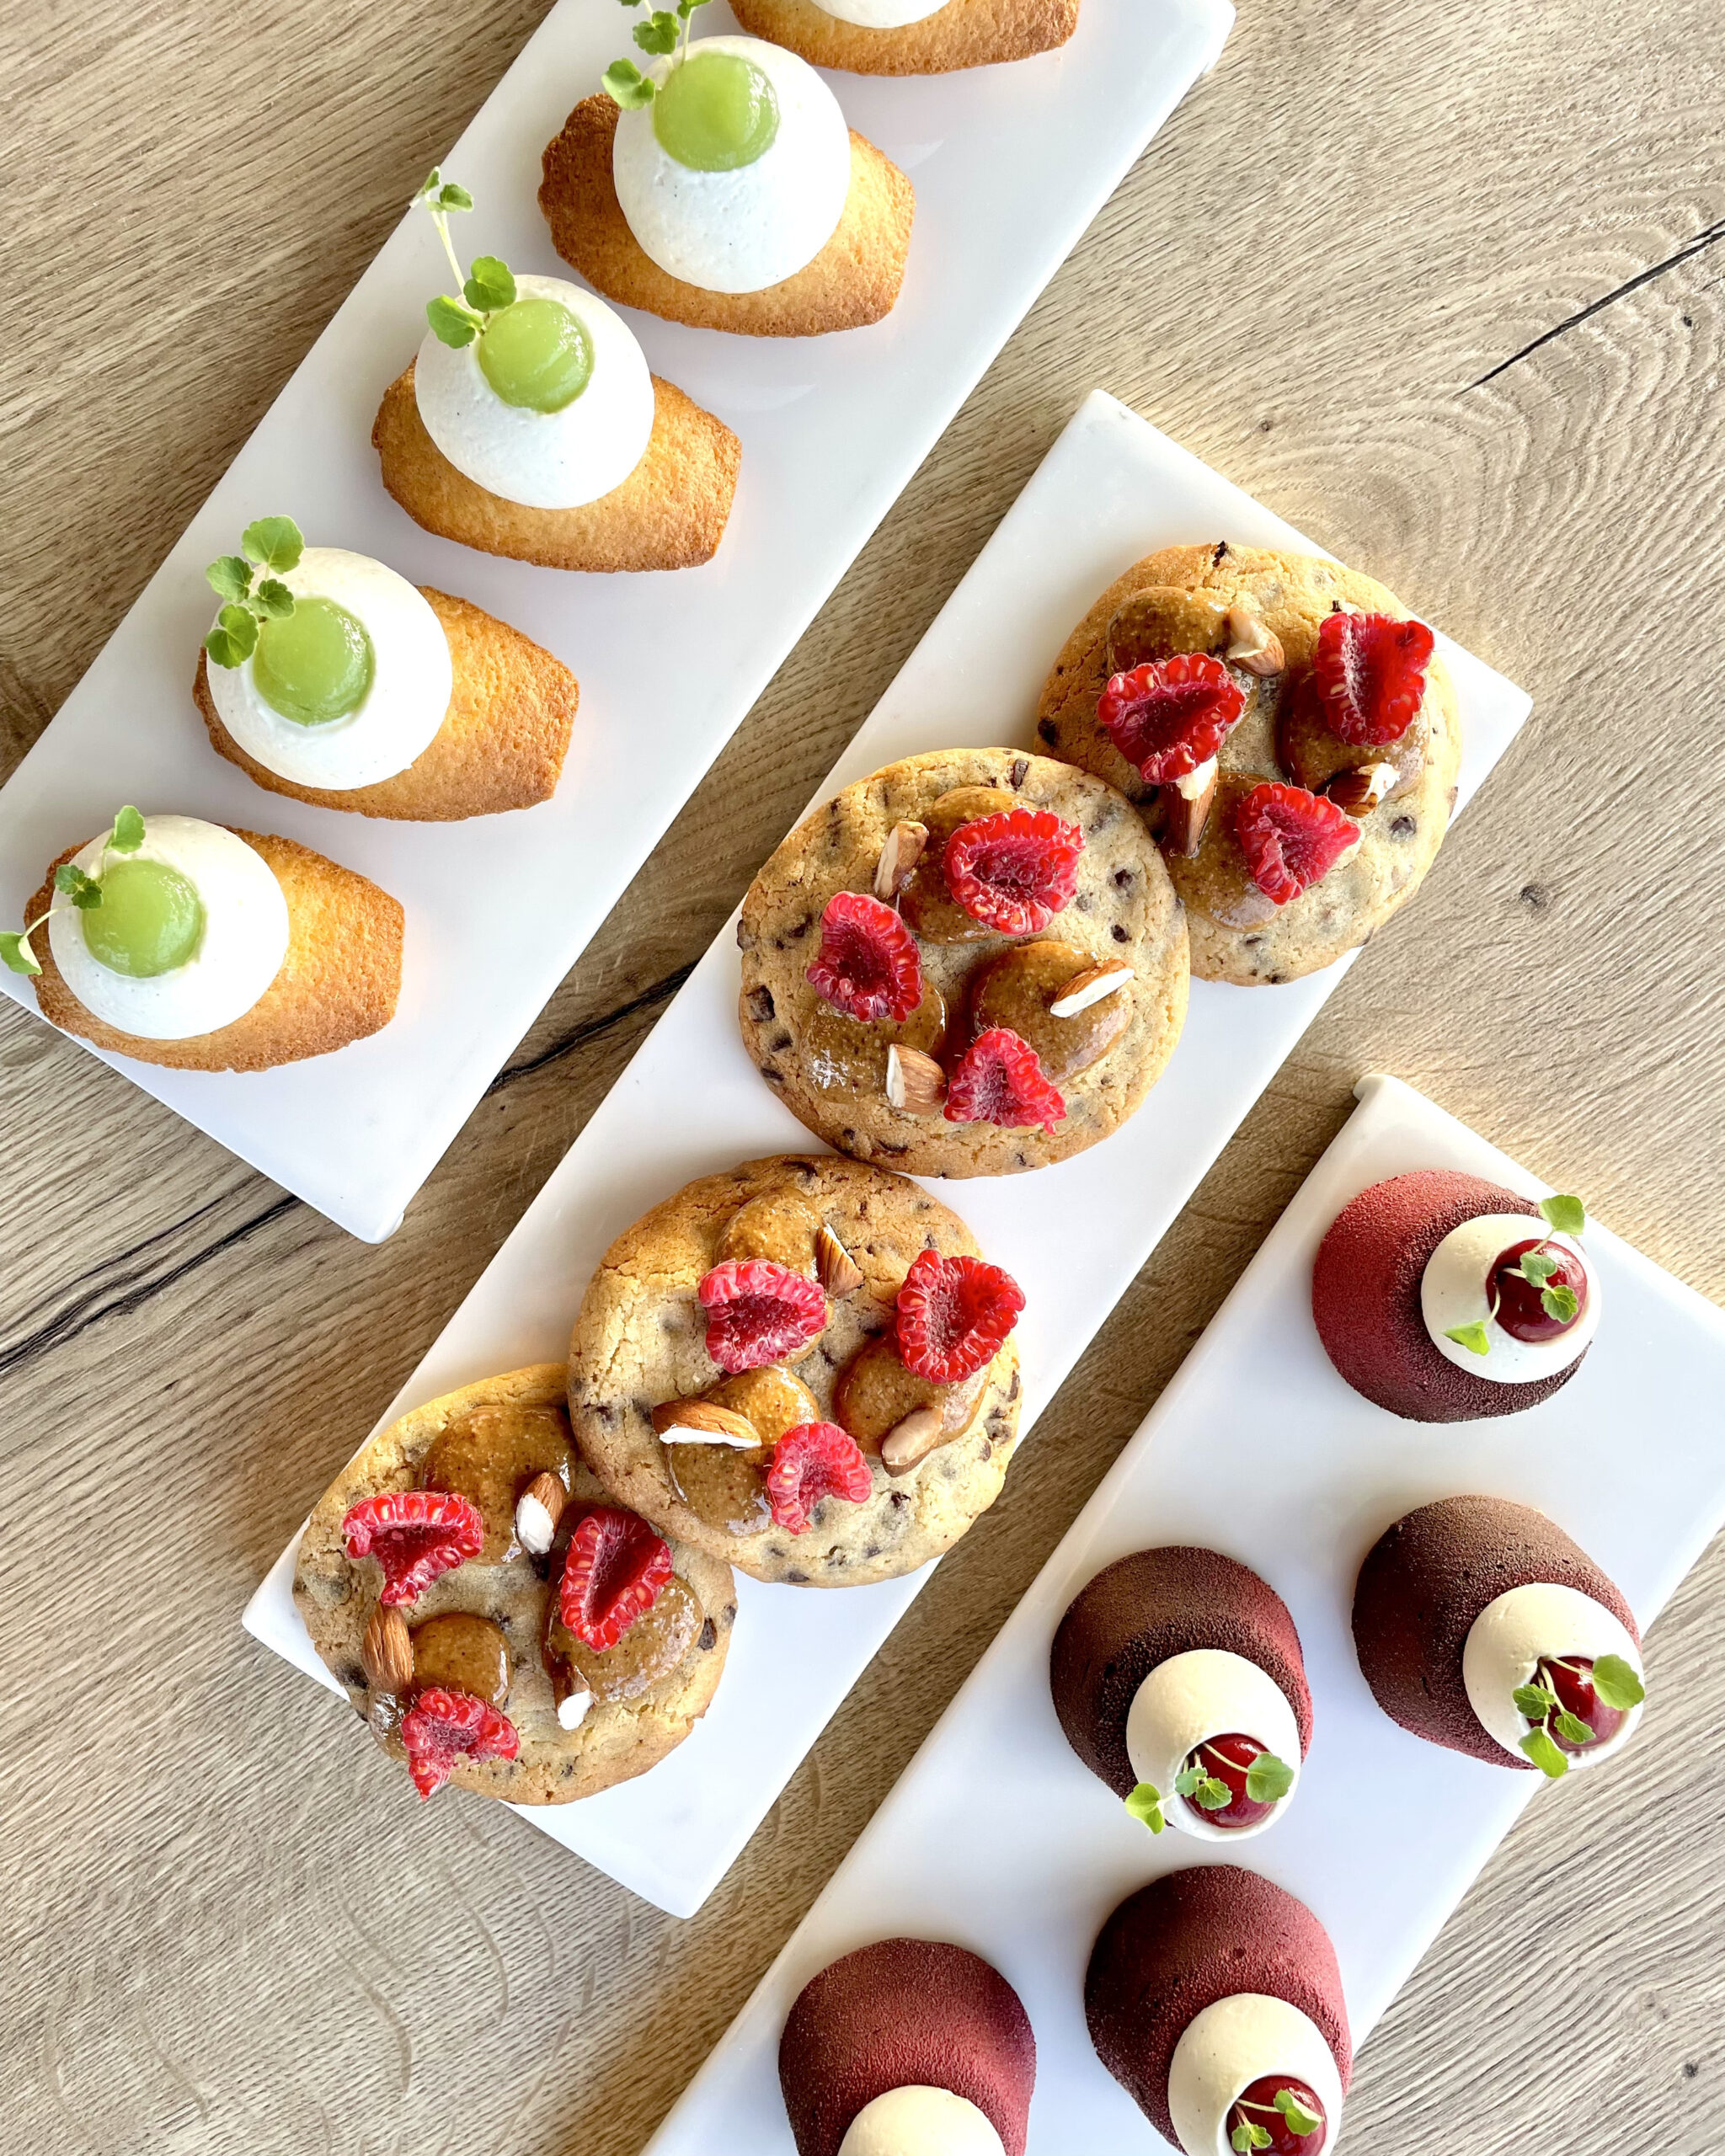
{"x":639,"y":1354}
{"x":1180,"y":600}
{"x":830,"y":1069}
{"x":501,"y":744}
{"x":853,"y":281}
{"x":480,"y":1628}
{"x":963,"y":33}
{"x":339,"y":981}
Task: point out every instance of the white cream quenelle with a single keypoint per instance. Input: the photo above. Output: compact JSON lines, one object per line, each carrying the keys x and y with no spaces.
{"x":1190,"y":1698}
{"x":191,"y":931}
{"x":735,"y":175}
{"x":881,"y":14}
{"x":1248,"y":2037}
{"x":921,"y":2121}
{"x":351,"y":687}
{"x":1454,"y":1292}
{"x":1510,"y":1636}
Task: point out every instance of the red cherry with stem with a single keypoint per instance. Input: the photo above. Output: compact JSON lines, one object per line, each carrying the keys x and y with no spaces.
{"x":1571,"y":1677}
{"x":1226,"y":1760}
{"x":1256,"y":2106}
{"x":1520,"y":1305}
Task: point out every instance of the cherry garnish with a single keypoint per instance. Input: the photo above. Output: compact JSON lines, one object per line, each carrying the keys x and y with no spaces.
{"x":1571,"y":1677}
{"x":1256,"y":2107}
{"x":1226,"y":1760}
{"x":1520,"y":1308}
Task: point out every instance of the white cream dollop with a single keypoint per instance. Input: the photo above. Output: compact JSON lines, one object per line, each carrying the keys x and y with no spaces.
{"x":916,"y":2121}
{"x":881,"y":14}
{"x":1453,"y":1292}
{"x":543,"y":459}
{"x":240,"y":951}
{"x":1238,"y":2040}
{"x":741,"y":231}
{"x":1207,"y":1692}
{"x":411,"y":681}
{"x":1506,"y":1641}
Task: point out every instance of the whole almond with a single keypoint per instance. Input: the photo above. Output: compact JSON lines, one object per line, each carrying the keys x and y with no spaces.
{"x":1252,"y":645}
{"x":703,"y":1422}
{"x":908,"y":1443}
{"x":837,"y":1271}
{"x":387,"y":1652}
{"x":537,"y":1510}
{"x":898,"y":857}
{"x":915,"y":1082}
{"x":1090,"y":987}
{"x":1357,"y":792}
{"x":1185,"y":815}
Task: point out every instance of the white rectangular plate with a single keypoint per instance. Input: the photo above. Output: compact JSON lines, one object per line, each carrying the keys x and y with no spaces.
{"x":1111,"y":490}
{"x":1010,"y":165}
{"x":996,"y":1837}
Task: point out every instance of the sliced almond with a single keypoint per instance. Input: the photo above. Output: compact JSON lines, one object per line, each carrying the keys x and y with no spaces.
{"x":899,"y":858}
{"x":1090,"y":987}
{"x":915,"y":1082}
{"x":1357,"y":791}
{"x":387,"y":1652}
{"x":537,"y":1510}
{"x":701,"y":1422}
{"x":837,"y":1271}
{"x":1184,"y":815}
{"x":1251,"y":644}
{"x":908,"y":1443}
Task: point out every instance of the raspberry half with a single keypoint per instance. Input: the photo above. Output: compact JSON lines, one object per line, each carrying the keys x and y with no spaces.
{"x":1171,"y":715}
{"x":416,"y":1535}
{"x":613,"y":1571}
{"x":1370,"y":672}
{"x":441,"y":1727}
{"x":1291,"y":839}
{"x":759,"y":1311}
{"x":814,"y":1460}
{"x":868,"y":966}
{"x":999,"y":1079}
{"x":955,"y":1315}
{"x":1013,"y":871}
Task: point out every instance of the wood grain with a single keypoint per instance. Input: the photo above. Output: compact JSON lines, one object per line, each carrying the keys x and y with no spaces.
{"x":1439,"y":280}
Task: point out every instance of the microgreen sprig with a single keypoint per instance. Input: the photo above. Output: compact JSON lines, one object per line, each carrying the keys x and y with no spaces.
{"x":1268,"y":1781}
{"x":486,"y":289}
{"x":1615,"y":1683}
{"x":80,"y":890}
{"x":666,"y":30}
{"x":1564,"y":1216}
{"x":1249,"y":2134}
{"x":1146,"y":1804}
{"x":249,"y":583}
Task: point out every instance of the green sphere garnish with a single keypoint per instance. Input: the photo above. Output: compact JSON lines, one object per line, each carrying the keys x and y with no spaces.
{"x":536,"y":354}
{"x":315,"y":665}
{"x":715,"y":112}
{"x":149,"y":920}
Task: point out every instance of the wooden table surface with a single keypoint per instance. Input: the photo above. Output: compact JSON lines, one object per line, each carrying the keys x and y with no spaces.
{"x":1440,"y":281}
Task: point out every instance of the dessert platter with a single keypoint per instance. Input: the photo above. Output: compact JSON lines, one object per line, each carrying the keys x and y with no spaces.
{"x":1352,"y":1643}
{"x":810,"y":1367}
{"x":655,"y":348}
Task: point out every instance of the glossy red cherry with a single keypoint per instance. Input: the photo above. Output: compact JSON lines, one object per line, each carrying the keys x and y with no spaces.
{"x":1256,"y":2106}
{"x":1226,"y":1760}
{"x":1572,"y":1679}
{"x":1521,"y":1310}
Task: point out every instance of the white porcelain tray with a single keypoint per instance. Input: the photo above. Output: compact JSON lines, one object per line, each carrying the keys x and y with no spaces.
{"x":997,"y":1838}
{"x":690,"y":1101}
{"x":1010,"y":165}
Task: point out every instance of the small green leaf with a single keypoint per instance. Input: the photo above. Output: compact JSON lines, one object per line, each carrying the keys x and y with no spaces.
{"x":15,"y":952}
{"x":624,"y":84}
{"x":1560,"y":1303}
{"x":429,"y":185}
{"x":128,"y":833}
{"x":84,"y":891}
{"x":1568,"y":1215}
{"x":1247,"y":2135}
{"x":1300,"y":2120}
{"x":1268,"y":1778}
{"x":1212,"y":1795}
{"x":1572,"y":1729}
{"x":1538,"y":1265}
{"x":658,"y":33}
{"x":223,"y":650}
{"x":452,"y":323}
{"x":1545,"y":1754}
{"x":1189,"y":1782}
{"x":1146,"y":1804}
{"x":273,"y":542}
{"x":1473,"y":1338}
{"x":490,"y":285}
{"x":238,"y":625}
{"x":230,"y":578}
{"x":1534,"y":1701}
{"x":272,"y":599}
{"x":449,"y":196}
{"x":686,"y":8}
{"x":1616,"y":1683}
